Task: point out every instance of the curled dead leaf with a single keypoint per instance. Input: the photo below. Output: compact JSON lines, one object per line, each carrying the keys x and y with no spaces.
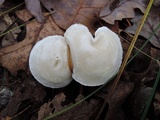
{"x":121,"y":9}
{"x":35,"y":9}
{"x":149,"y":26}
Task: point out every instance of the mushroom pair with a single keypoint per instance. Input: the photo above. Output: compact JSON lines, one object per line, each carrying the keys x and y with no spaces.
{"x":55,"y":60}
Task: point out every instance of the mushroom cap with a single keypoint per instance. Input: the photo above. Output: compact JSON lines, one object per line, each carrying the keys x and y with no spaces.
{"x":48,"y":62}
{"x":95,"y":60}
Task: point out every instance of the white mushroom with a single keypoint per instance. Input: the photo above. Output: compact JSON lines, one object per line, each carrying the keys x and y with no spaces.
{"x":48,"y":62}
{"x":95,"y":60}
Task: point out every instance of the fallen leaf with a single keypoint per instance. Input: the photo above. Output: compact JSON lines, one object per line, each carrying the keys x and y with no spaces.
{"x":153,"y":67}
{"x":118,"y":97}
{"x":156,"y":2}
{"x":29,"y":92}
{"x":140,"y":101}
{"x":7,"y":21}
{"x":15,"y":57}
{"x":156,"y":102}
{"x":115,"y":110}
{"x":52,"y":106}
{"x":141,"y":62}
{"x":152,"y":21}
{"x":35,"y":9}
{"x":5,"y":95}
{"x":84,"y":111}
{"x":1,"y":2}
{"x":117,"y":10}
{"x":67,"y":12}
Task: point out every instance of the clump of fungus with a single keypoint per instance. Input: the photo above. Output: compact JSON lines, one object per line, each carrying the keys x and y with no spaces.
{"x":94,"y":60}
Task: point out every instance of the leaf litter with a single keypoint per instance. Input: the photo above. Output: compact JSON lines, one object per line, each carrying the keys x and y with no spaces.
{"x":15,"y":57}
{"x":139,"y":74}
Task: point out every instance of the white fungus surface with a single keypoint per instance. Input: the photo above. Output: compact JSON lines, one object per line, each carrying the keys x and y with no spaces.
{"x":95,"y":60}
{"x":48,"y":62}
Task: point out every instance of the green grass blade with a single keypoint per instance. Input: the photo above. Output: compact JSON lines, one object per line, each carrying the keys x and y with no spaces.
{"x":70,"y":107}
{"x":11,"y":9}
{"x":153,"y":33}
{"x":80,"y":101}
{"x":151,"y":97}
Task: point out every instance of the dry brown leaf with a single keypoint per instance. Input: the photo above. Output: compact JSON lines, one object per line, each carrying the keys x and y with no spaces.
{"x":1,"y":2}
{"x":115,"y":102}
{"x":52,"y":106}
{"x":156,"y":2}
{"x":84,"y":111}
{"x":149,"y":26}
{"x":28,"y":90}
{"x":121,"y":9}
{"x":15,"y":57}
{"x":157,"y":103}
{"x":137,"y":65}
{"x":153,"y":67}
{"x":35,"y":9}
{"x":67,"y":12}
{"x":5,"y":23}
{"x":140,"y":101}
{"x":123,"y":89}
